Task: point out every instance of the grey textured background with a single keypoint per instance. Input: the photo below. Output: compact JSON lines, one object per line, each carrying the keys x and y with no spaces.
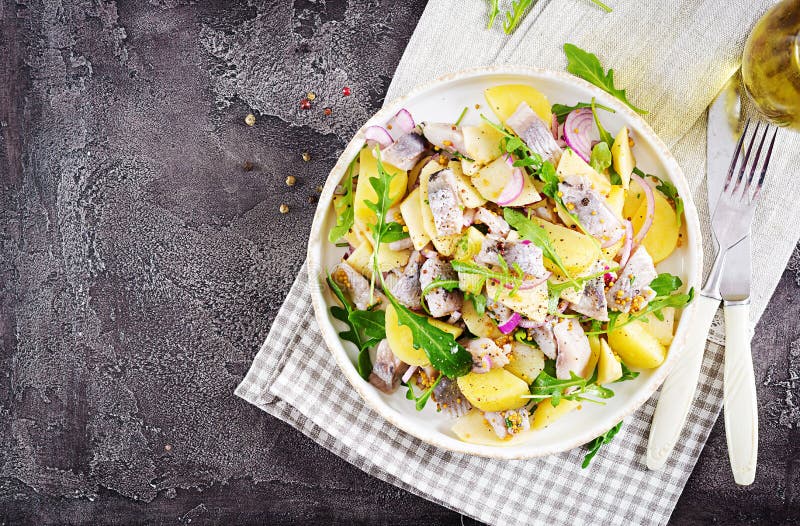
{"x":142,"y":266}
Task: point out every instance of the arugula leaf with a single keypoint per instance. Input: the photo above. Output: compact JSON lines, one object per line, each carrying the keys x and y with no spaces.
{"x":665,"y":284}
{"x":604,"y":135}
{"x":513,"y":17}
{"x":441,"y":348}
{"x":345,"y":214}
{"x":627,"y":374}
{"x":614,"y":177}
{"x":601,"y":5}
{"x":505,"y":277}
{"x":445,"y":354}
{"x":446,"y":284}
{"x":548,"y":176}
{"x":422,"y":399}
{"x":382,"y":231}
{"x":595,"y":445}
{"x":654,"y":307}
{"x":521,"y":335}
{"x":669,"y":191}
{"x":353,"y":334}
{"x":537,"y":235}
{"x":372,"y":322}
{"x":587,"y":66}
{"x":548,"y":386}
{"x":600,"y":159}
{"x":562,"y":110}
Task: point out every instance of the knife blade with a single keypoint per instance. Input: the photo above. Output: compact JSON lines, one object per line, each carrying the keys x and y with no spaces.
{"x":724,"y":129}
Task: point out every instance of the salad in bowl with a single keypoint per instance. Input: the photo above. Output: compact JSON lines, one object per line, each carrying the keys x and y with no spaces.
{"x":505,"y":270}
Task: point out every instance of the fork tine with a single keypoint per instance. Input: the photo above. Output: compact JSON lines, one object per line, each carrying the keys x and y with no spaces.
{"x":752,"y":178}
{"x":738,"y":150}
{"x":743,"y":166}
{"x":765,"y":166}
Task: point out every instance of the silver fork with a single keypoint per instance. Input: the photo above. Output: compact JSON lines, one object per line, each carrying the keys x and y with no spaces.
{"x":731,"y":223}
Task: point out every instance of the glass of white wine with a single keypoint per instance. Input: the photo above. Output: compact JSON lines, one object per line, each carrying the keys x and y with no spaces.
{"x":771,"y":64}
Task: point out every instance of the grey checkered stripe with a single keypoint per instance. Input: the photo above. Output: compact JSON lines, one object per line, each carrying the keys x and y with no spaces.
{"x":295,"y":378}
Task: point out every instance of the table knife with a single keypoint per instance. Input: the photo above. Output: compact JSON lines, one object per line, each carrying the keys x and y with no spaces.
{"x":677,"y":393}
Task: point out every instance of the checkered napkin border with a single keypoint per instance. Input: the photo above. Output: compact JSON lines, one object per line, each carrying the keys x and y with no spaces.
{"x":295,"y":378}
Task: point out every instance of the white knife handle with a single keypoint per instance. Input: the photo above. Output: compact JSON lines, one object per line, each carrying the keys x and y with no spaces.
{"x":739,"y":392}
{"x":678,"y":390}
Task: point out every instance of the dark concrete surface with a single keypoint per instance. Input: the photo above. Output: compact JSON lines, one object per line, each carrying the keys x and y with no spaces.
{"x":141,"y":266}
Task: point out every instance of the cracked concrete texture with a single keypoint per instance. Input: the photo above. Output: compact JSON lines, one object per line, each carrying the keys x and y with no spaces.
{"x":142,"y":265}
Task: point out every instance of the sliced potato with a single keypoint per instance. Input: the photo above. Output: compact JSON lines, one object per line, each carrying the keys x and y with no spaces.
{"x":445,"y":245}
{"x":546,"y":414}
{"x":492,"y":179}
{"x":525,"y":362}
{"x":467,"y":193}
{"x":469,"y":168}
{"x":633,"y":200}
{"x":609,"y":367}
{"x":401,"y":341}
{"x":572,"y":164}
{"x":505,"y":99}
{"x":411,"y":210}
{"x":469,"y":245}
{"x":482,"y":142}
{"x":361,"y":259}
{"x":496,"y":390}
{"x":368,"y":169}
{"x":662,"y":238}
{"x":531,"y":303}
{"x":622,"y":157}
{"x":664,"y":329}
{"x":389,"y":259}
{"x":578,"y":251}
{"x":413,"y":174}
{"x":479,"y":324}
{"x":594,"y":345}
{"x":616,"y":200}
{"x":474,"y":428}
{"x":636,"y":346}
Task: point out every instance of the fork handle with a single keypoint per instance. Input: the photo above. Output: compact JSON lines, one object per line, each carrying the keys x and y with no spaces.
{"x":739,"y":392}
{"x":678,"y":390}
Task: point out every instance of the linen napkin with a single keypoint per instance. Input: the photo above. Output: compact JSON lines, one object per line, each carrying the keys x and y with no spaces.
{"x":673,"y":59}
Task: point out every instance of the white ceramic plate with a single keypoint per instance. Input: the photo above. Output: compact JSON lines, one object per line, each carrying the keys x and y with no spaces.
{"x":443,"y":101}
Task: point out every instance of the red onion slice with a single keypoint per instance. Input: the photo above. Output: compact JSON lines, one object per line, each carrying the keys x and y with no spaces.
{"x":625,"y":252}
{"x":409,"y":373}
{"x":508,"y":326}
{"x":515,"y":184}
{"x":401,"y":123}
{"x":617,"y":237}
{"x":578,"y":132}
{"x":651,"y":209}
{"x":378,"y":135}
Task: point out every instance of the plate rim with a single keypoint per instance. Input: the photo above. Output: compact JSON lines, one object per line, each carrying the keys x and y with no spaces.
{"x":529,"y":449}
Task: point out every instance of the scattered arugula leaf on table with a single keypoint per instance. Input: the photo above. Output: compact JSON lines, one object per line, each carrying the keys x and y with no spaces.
{"x":595,"y":445}
{"x":587,"y":66}
{"x":513,"y":17}
{"x":494,"y":10}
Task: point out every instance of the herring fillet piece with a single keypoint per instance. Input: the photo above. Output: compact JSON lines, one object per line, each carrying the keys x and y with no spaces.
{"x":534,"y":132}
{"x":445,"y":204}
{"x":405,"y":151}
{"x":440,"y":302}
{"x":387,"y":369}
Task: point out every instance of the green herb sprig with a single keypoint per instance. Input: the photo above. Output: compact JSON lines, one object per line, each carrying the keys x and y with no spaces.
{"x":422,"y":399}
{"x":595,"y":445}
{"x":537,"y":235}
{"x":547,"y":385}
{"x":365,"y":328}
{"x":587,"y":66}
